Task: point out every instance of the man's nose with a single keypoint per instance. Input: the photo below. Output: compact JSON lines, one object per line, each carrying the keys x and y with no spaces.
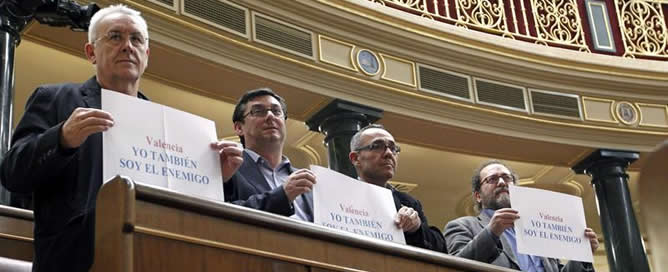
{"x":127,"y":45}
{"x":388,"y":152}
{"x":271,"y":113}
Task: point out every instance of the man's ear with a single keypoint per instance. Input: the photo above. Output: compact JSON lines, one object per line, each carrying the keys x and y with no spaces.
{"x":354,"y":156}
{"x":476,"y":196}
{"x":238,"y":129}
{"x":90,"y":53}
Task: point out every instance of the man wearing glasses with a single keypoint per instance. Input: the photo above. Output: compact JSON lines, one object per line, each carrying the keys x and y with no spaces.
{"x":56,"y":152}
{"x":266,"y":180}
{"x":490,"y":237}
{"x":375,"y":156}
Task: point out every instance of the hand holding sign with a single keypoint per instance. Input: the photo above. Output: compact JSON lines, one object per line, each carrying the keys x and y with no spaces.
{"x":502,"y":220}
{"x":299,"y":182}
{"x":552,"y":225}
{"x":343,"y":203}
{"x":231,"y":157}
{"x":166,"y":147}
{"x":82,"y":123}
{"x":593,"y":239}
{"x":408,"y":219}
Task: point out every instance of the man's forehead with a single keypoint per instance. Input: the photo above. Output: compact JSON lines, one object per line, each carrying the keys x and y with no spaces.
{"x":373,"y":134}
{"x":263,"y":99}
{"x":494,"y":168}
{"x":118,"y":22}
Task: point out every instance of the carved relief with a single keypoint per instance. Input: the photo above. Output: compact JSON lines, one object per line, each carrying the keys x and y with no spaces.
{"x":418,"y":5}
{"x":558,"y":21}
{"x":643,"y":27}
{"x":482,"y":13}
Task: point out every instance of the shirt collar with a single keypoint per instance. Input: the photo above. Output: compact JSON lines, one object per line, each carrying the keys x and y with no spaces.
{"x":488,"y":212}
{"x":387,"y":184}
{"x":258,"y":159}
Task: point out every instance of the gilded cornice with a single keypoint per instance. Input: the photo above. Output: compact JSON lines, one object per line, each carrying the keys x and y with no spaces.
{"x":518,"y":52}
{"x":390,"y":33}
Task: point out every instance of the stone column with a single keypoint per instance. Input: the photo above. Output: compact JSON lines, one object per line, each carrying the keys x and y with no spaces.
{"x":339,"y":121}
{"x":623,"y":242}
{"x":10,"y":28}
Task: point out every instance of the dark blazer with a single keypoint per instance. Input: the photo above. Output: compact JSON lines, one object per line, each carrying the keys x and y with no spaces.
{"x":64,"y":182}
{"x":467,"y":237}
{"x":426,"y":236}
{"x":249,"y":188}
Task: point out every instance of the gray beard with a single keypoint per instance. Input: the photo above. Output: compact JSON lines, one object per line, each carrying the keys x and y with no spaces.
{"x":502,"y":202}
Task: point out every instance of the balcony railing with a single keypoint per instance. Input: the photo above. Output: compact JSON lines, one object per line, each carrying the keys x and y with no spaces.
{"x":637,"y":26}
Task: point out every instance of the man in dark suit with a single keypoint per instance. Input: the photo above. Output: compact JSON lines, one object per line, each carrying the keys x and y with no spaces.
{"x":490,"y":237}
{"x":266,"y":180}
{"x":375,"y":156}
{"x":56,"y":152}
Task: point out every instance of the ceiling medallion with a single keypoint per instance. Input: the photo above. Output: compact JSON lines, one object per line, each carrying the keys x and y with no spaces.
{"x":368,"y":62}
{"x":626,"y":113}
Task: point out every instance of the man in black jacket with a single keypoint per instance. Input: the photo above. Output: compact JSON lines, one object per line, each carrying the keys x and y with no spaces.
{"x":56,"y":152}
{"x":375,"y":156}
{"x":266,"y":180}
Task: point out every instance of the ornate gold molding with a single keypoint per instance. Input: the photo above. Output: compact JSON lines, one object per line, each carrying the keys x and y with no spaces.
{"x":642,"y":22}
{"x":625,"y":110}
{"x":323,"y":56}
{"x":558,"y":21}
{"x":588,"y":114}
{"x":485,"y":14}
{"x":643,"y":28}
{"x":418,"y":5}
{"x":645,"y":107}
{"x":555,"y":21}
{"x":392,"y":88}
{"x":392,"y":64}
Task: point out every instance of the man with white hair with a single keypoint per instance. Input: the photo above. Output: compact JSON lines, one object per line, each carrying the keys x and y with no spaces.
{"x":56,"y":152}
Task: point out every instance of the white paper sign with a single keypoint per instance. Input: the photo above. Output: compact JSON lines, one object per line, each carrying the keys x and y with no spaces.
{"x":551,"y":224}
{"x":344,"y":203}
{"x":160,"y":146}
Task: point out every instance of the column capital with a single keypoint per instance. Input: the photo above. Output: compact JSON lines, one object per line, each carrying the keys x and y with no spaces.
{"x":339,"y":121}
{"x":605,"y":158}
{"x":349,"y":109}
{"x":623,"y":243}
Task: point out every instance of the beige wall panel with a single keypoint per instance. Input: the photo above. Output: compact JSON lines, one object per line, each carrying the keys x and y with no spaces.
{"x":599,"y":110}
{"x":337,"y":53}
{"x":398,"y":70}
{"x":652,"y":188}
{"x":652,"y":115}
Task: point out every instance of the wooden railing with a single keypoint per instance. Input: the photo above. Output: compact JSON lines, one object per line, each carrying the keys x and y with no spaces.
{"x":143,"y":228}
{"x":16,"y":234}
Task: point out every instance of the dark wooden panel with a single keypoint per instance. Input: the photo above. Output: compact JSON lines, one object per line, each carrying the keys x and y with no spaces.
{"x":16,"y":233}
{"x":14,"y":249}
{"x":159,"y":254}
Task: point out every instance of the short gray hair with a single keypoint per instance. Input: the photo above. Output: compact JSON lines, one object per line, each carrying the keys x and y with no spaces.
{"x":355,"y":141}
{"x":122,"y":9}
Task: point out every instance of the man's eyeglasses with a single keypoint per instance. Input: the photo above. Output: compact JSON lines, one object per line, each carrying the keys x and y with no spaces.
{"x":261,"y":112}
{"x":494,"y":179}
{"x":116,"y":38}
{"x":381,"y":146}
